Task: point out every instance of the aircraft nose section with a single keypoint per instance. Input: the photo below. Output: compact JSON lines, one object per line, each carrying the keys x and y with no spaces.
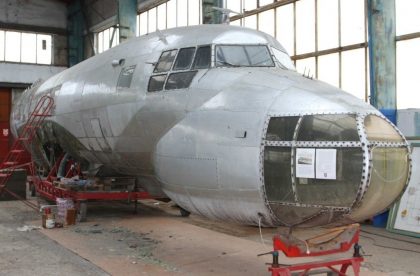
{"x":389,"y":168}
{"x":319,"y":168}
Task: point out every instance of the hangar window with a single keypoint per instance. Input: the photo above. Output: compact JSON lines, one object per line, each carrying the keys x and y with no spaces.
{"x":25,"y":47}
{"x":165,"y":61}
{"x":328,"y":128}
{"x":184,"y":59}
{"x":180,"y":80}
{"x":126,"y":76}
{"x":107,"y":39}
{"x":202,"y":58}
{"x":1,"y":45}
{"x":169,"y":14}
{"x":156,"y":83}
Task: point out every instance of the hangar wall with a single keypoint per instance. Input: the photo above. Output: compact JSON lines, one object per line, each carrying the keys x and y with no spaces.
{"x":41,"y":17}
{"x":28,"y":30}
{"x":41,"y":13}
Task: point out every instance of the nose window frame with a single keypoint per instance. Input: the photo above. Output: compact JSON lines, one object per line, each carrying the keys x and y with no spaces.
{"x":277,"y":140}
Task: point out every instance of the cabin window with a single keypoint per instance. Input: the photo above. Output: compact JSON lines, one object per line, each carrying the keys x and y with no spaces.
{"x":156,"y":83}
{"x":126,"y":76}
{"x":202,"y":58}
{"x":281,"y":128}
{"x":243,"y":56}
{"x":180,"y":80}
{"x":328,"y":128}
{"x":165,"y":61}
{"x":184,"y":59}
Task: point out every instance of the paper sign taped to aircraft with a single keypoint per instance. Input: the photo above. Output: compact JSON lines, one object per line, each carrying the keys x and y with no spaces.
{"x":305,"y":163}
{"x":326,"y":160}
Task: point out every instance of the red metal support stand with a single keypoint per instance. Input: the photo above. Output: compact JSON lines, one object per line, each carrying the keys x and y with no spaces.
{"x":305,"y":268}
{"x":46,"y":189}
{"x":336,"y":241}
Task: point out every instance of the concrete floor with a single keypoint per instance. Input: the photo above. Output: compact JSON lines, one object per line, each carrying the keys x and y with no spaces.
{"x":33,"y":253}
{"x":157,"y":241}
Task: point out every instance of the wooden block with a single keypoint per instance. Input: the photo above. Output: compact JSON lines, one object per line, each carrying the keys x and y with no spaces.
{"x":71,"y":216}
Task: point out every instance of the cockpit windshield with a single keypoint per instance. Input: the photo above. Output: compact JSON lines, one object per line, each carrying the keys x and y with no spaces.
{"x":243,"y":56}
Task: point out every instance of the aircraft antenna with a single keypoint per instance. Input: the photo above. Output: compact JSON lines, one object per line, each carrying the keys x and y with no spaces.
{"x":162,"y":37}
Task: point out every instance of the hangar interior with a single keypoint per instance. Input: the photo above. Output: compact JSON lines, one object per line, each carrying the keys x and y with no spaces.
{"x":368,"y":48}
{"x":327,"y":40}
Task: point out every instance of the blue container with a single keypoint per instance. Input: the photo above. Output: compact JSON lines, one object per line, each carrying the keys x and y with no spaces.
{"x":381,"y":220}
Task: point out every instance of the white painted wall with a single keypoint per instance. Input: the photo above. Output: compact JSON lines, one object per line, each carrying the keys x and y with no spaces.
{"x":26,"y":73}
{"x":44,"y":13}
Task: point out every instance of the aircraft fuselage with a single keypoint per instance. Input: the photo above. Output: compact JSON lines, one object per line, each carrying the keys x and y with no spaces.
{"x":225,"y":127}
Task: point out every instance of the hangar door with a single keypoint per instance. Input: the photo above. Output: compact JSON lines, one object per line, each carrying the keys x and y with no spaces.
{"x":5,"y":104}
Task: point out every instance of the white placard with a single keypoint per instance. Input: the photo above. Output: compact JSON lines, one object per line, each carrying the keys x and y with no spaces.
{"x":326,"y":163}
{"x":408,"y":211}
{"x":305,"y":163}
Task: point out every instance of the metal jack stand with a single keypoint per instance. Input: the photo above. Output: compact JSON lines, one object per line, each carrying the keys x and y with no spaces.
{"x":337,"y":240}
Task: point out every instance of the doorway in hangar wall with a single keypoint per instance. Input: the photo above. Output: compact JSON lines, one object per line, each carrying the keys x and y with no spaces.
{"x":5,"y":135}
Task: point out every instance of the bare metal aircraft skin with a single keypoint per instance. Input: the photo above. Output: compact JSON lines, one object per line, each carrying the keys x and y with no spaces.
{"x":216,"y":118}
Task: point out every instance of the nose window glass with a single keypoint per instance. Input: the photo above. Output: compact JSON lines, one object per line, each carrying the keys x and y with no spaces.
{"x":277,"y":174}
{"x":281,"y":128}
{"x":340,"y":191}
{"x":328,"y":128}
{"x":389,"y":175}
{"x":378,"y":129}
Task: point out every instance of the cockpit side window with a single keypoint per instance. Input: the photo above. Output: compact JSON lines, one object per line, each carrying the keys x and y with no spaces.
{"x":184,"y":59}
{"x":165,"y":61}
{"x":202,"y":58}
{"x":126,"y":75}
{"x":156,"y":83}
{"x":174,"y":71}
{"x":180,"y":80}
